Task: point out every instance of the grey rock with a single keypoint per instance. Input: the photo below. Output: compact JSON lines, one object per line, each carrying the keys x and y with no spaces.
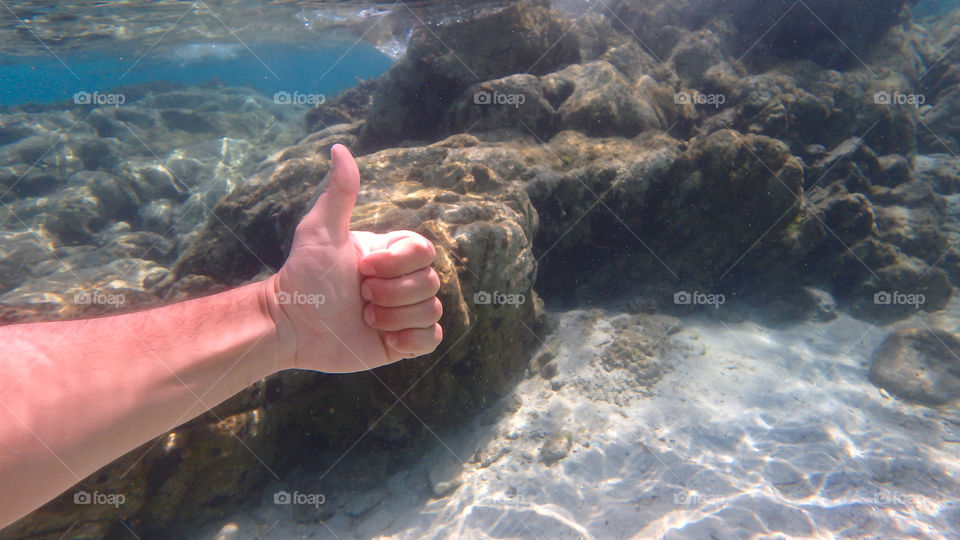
{"x":549,"y":370}
{"x":116,"y":194}
{"x":694,"y":54}
{"x":894,"y":169}
{"x":940,"y":171}
{"x":157,"y":215}
{"x":919,"y":365}
{"x":820,"y":304}
{"x":517,"y":102}
{"x":409,"y":104}
{"x":74,"y":214}
{"x":602,"y":102}
{"x":555,"y":447}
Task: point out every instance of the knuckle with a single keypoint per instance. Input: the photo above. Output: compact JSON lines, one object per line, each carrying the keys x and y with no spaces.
{"x":434,"y":280}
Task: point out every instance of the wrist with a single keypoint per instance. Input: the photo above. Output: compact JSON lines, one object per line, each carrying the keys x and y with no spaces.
{"x":283,"y":335}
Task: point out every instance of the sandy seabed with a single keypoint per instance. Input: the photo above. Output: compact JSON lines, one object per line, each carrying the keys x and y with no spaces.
{"x":753,"y":432}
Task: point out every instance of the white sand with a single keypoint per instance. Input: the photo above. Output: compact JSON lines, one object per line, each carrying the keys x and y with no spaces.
{"x":755,"y":433}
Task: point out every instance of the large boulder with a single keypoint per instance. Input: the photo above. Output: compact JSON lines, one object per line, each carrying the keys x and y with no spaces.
{"x":833,"y":33}
{"x":482,"y":223}
{"x":594,"y":98}
{"x":646,"y":213}
{"x":443,"y":61}
{"x":349,"y":106}
{"x":602,"y":102}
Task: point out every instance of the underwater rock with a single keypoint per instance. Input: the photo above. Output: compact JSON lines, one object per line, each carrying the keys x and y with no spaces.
{"x":820,"y":305}
{"x":579,"y":176}
{"x":915,"y":231}
{"x":350,"y":106}
{"x":894,"y":170}
{"x":117,"y":194}
{"x":918,"y":365}
{"x":190,"y":465}
{"x":830,"y":32}
{"x":836,"y":211}
{"x":94,"y":172}
{"x":412,"y":99}
{"x":637,"y":348}
{"x":803,"y":104}
{"x":74,"y":214}
{"x":67,"y":292}
{"x":455,"y":193}
{"x":940,"y":171}
{"x":833,"y":33}
{"x":20,"y":253}
{"x":724,"y":192}
{"x":899,"y":290}
{"x":555,"y":447}
{"x":942,"y":133}
{"x":157,"y":215}
{"x":13,"y":129}
{"x":696,"y":53}
{"x":96,"y":152}
{"x":592,"y":98}
{"x":633,"y":60}
{"x":518,"y":102}
{"x":601,"y":101}
{"x":851,"y":161}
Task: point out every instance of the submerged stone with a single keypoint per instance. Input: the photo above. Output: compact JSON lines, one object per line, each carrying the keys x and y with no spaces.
{"x":920,"y":365}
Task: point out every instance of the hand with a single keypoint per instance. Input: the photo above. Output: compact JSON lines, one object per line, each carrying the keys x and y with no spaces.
{"x":351,"y":301}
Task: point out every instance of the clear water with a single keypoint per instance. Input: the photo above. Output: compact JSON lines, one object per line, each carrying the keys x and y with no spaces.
{"x":757,"y":432}
{"x":268,"y":67}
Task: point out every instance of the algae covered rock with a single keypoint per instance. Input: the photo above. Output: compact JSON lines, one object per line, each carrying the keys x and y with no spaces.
{"x":441,"y":62}
{"x":833,"y":33}
{"x":482,"y":226}
{"x":602,"y":101}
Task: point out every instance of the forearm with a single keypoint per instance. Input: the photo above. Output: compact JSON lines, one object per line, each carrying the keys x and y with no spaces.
{"x":76,"y":395}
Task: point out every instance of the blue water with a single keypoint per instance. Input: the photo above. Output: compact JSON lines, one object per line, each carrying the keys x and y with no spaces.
{"x":271,"y":68}
{"x":930,"y":8}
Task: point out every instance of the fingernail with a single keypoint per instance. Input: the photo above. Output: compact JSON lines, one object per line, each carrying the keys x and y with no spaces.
{"x":365,"y":292}
{"x":392,"y":341}
{"x":371,"y":315}
{"x":365,"y":267}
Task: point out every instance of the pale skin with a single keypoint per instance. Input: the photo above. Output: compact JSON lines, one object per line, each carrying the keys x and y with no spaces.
{"x":76,"y":395}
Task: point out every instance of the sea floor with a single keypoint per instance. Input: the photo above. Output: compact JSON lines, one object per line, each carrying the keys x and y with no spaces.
{"x":752,"y":432}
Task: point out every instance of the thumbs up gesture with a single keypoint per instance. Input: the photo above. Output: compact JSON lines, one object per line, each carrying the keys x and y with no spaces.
{"x":348,"y":301}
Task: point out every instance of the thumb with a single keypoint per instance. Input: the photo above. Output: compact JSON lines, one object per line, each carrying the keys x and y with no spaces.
{"x":334,"y":206}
